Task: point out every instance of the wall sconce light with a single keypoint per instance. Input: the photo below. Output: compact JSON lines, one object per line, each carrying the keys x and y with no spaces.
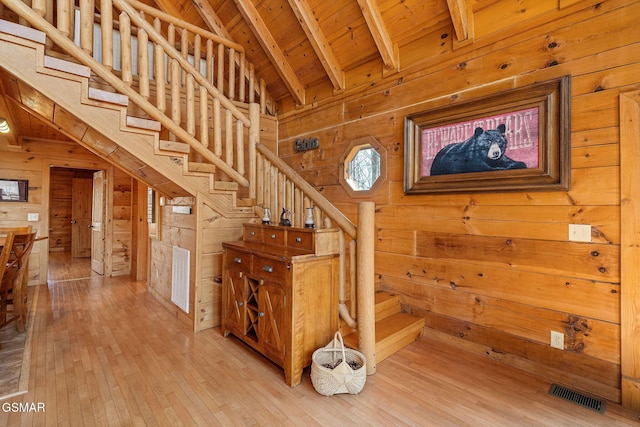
{"x":4,"y":125}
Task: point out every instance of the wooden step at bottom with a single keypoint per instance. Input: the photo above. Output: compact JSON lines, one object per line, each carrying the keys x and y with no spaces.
{"x":393,"y":333}
{"x":387,"y":304}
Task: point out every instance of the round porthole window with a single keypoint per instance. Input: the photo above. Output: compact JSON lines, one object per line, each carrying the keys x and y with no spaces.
{"x":362,"y":167}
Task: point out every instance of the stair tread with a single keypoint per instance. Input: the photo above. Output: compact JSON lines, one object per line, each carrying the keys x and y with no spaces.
{"x":66,"y":66}
{"x":174,"y":146}
{"x":384,"y":296}
{"x":201,"y":167}
{"x":22,"y":31}
{"x":387,"y":327}
{"x":141,"y":123}
{"x":110,"y":97}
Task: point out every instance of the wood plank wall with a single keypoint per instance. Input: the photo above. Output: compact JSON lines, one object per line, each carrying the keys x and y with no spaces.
{"x":179,"y":230}
{"x":32,"y":161}
{"x":122,"y":223}
{"x":214,"y":230}
{"x":494,"y":272}
{"x":202,"y":232}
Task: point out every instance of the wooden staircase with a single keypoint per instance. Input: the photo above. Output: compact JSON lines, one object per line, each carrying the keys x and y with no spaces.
{"x":394,"y":329}
{"x":58,"y":92}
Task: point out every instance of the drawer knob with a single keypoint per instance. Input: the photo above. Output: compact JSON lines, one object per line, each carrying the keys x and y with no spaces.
{"x":237,"y":260}
{"x":273,"y":236}
{"x":241,"y":304}
{"x":268,"y":269}
{"x":261,"y":314}
{"x":252,"y":233}
{"x":298,"y":239}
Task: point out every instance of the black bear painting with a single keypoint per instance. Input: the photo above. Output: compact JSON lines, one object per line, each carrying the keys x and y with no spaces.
{"x":483,"y":152}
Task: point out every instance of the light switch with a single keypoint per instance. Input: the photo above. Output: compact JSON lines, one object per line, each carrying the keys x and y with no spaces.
{"x":31,"y":216}
{"x":579,"y":232}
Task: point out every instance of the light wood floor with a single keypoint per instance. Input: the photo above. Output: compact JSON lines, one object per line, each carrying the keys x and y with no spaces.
{"x":105,"y":352}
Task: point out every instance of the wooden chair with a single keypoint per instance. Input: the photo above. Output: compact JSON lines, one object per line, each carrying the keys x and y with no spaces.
{"x":13,"y":289}
{"x":5,"y":253}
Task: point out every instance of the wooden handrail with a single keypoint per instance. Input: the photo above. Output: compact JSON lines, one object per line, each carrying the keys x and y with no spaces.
{"x":155,"y":13}
{"x":279,"y":186}
{"x":38,"y":22}
{"x":236,"y":54}
{"x":309,"y":191}
{"x":184,"y":63}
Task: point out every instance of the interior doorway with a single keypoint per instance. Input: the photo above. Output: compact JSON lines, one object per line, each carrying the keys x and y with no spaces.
{"x":71,"y":223}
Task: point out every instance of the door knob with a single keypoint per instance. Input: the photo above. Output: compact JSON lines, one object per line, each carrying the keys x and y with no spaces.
{"x":73,"y":221}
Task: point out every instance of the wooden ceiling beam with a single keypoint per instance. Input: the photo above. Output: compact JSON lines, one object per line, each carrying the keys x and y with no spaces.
{"x":210,"y":18}
{"x":388,"y":50}
{"x":459,"y":10}
{"x":271,"y":48}
{"x":319,"y":42}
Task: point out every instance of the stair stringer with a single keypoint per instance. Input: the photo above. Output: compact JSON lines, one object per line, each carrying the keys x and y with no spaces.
{"x":69,"y":91}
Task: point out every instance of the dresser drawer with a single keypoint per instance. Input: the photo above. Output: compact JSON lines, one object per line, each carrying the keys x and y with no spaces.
{"x":274,"y":236}
{"x":268,"y":268}
{"x":300,"y":239}
{"x":253,"y":233}
{"x":238,"y":259}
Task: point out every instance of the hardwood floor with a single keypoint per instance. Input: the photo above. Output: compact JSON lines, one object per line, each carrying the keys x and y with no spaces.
{"x":63,"y":267}
{"x":105,"y":352}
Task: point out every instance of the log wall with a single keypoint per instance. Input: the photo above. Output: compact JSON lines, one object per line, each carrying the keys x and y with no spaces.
{"x":494,"y":272}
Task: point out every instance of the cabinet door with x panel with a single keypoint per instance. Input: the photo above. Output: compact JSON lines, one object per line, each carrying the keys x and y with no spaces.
{"x":279,"y":296}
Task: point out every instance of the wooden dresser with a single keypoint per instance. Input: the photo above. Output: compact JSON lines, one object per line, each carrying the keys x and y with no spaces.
{"x":280,"y":293}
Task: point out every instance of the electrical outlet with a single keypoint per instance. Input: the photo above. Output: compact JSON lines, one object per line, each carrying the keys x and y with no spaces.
{"x":557,"y":340}
{"x":33,"y":216}
{"x":579,"y":232}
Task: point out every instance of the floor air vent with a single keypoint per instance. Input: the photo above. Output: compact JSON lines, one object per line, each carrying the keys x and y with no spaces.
{"x":578,"y":398}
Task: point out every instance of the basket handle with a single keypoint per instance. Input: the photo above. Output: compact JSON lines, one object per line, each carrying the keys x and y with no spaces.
{"x":338,"y":336}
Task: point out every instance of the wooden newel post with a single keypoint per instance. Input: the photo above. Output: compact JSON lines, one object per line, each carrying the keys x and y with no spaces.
{"x":365,"y":284}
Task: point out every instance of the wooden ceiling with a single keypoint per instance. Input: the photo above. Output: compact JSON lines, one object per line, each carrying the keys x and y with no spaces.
{"x":309,"y":50}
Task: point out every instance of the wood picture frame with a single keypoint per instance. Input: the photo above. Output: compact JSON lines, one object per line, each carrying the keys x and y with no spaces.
{"x":14,"y":190}
{"x":516,"y":140}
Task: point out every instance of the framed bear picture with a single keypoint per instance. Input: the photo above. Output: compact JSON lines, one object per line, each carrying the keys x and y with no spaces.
{"x":517,"y":140}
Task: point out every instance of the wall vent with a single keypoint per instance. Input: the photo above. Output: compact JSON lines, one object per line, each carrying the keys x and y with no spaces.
{"x":578,"y":398}
{"x":180,"y":278}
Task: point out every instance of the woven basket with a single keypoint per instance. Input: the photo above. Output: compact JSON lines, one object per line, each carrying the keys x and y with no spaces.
{"x":336,"y":369}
